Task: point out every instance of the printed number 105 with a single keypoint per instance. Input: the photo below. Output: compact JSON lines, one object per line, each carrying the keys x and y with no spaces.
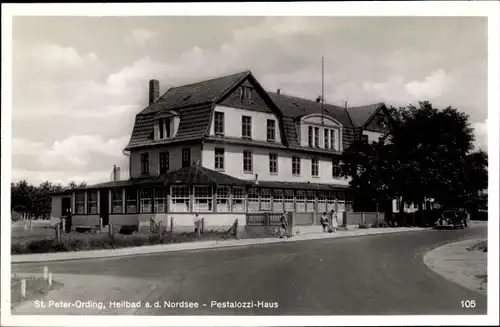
{"x":468,"y":304}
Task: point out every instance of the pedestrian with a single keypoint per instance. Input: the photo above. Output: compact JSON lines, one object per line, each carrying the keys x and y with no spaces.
{"x":324,"y":221}
{"x":334,"y":221}
{"x":284,"y":224}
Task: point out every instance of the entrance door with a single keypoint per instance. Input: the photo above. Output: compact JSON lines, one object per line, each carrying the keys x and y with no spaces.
{"x":104,"y":206}
{"x":66,"y":207}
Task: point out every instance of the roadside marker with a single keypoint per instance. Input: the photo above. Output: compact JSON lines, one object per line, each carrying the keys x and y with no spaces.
{"x":50,"y":278}
{"x":23,"y":288}
{"x":45,"y":272}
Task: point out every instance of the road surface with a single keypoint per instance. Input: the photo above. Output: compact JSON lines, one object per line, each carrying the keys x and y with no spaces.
{"x":369,"y":275}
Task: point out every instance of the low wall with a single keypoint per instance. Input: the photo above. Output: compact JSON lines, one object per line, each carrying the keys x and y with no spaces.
{"x":304,"y":218}
{"x":355,"y":218}
{"x":85,"y":220}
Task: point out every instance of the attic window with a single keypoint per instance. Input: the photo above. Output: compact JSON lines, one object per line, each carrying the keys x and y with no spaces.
{"x":245,"y":94}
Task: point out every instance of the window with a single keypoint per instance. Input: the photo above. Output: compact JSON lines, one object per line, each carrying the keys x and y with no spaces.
{"x":300,"y":201}
{"x":296,"y":166}
{"x":316,"y":137}
{"x":271,"y":130}
{"x":186,"y":157}
{"x":311,"y":201}
{"x":265,"y":199}
{"x":273,"y":163}
{"x":277,"y":200}
{"x":340,"y":201}
{"x":333,"y":143}
{"x":289,"y":200}
{"x":321,"y":201}
{"x":163,"y":128}
{"x":246,"y":127}
{"x":146,"y":196}
{"x":364,"y":138}
{"x":164,"y":162}
{"x":92,"y":202}
{"x":314,"y":167}
{"x":223,"y":195}
{"x":239,"y":199}
{"x":116,"y":200}
{"x":247,"y":162}
{"x":330,"y":201}
{"x":131,"y":200}
{"x":160,"y":199}
{"x":326,"y":138}
{"x":80,"y":203}
{"x":245,"y":94}
{"x":219,"y":123}
{"x":253,"y":199}
{"x":203,"y":198}
{"x":145,"y":163}
{"x":335,"y":168}
{"x":219,"y":158}
{"x":310,"y":136}
{"x":179,"y":201}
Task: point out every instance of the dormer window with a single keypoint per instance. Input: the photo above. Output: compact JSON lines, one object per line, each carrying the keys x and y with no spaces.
{"x":166,"y":124}
{"x":164,"y":128}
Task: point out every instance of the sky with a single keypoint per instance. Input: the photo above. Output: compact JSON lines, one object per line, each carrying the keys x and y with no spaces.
{"x":78,"y":82}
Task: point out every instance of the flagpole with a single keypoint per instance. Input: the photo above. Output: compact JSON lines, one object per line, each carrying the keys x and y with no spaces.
{"x":322,"y":91}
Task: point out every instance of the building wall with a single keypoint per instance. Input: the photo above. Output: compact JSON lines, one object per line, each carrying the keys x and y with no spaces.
{"x":85,"y":220}
{"x":175,"y":158}
{"x":232,"y":123}
{"x":56,"y":207}
{"x":372,"y":136}
{"x":233,"y":162}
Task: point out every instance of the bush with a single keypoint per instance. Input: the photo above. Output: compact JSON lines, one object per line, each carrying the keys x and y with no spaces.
{"x":363,"y":226}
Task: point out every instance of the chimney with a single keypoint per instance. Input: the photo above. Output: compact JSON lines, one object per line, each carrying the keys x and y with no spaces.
{"x":154,"y":91}
{"x":279,"y":91}
{"x":256,"y":182}
{"x":116,"y":173}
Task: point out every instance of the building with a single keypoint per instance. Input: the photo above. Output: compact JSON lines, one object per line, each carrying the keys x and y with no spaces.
{"x":225,"y":147}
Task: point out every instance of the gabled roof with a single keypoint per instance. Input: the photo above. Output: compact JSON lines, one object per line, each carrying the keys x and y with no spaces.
{"x":360,"y":116}
{"x":196,"y":93}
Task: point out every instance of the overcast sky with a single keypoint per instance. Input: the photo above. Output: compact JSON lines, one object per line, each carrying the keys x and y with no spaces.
{"x":78,"y":82}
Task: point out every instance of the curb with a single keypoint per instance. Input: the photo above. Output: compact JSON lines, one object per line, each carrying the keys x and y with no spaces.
{"x":203,"y":245}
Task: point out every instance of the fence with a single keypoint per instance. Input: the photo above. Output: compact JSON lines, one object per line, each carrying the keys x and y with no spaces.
{"x":264,"y":218}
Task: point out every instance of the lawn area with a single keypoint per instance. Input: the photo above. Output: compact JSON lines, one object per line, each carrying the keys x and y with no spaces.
{"x":36,"y":288}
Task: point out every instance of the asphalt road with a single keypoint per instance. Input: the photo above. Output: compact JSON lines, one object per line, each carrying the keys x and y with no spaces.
{"x":369,"y":275}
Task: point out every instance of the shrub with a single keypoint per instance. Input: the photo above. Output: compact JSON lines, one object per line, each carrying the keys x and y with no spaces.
{"x":363,"y":226}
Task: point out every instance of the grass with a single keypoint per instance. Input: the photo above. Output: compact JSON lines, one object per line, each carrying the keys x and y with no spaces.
{"x":35,"y":289}
{"x":479,"y":246}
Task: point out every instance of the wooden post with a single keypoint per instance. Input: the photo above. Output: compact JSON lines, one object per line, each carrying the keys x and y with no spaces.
{"x":100,"y":224}
{"x":23,"y":288}
{"x":198,"y":229}
{"x":171,"y":227}
{"x":344,"y":218}
{"x":58,"y":234}
{"x":31,"y":224}
{"x":202,"y":225}
{"x":236,"y":229}
{"x":161,"y":231}
{"x":45,"y":272}
{"x":64,"y":224}
{"x":110,"y":232}
{"x":363,"y":218}
{"x":50,"y":278}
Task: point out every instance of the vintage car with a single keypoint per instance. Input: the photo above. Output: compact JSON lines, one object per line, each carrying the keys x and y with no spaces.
{"x":456,"y":217}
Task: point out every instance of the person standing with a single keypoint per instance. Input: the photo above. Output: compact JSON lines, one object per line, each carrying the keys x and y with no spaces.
{"x":284,"y":224}
{"x":334,"y":221}
{"x":324,"y":221}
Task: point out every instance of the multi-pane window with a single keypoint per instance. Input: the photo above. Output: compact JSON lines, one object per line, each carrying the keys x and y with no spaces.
{"x":179,"y":199}
{"x":131,"y":200}
{"x":219,"y":123}
{"x":160,"y":199}
{"x":245,"y":94}
{"x":116,"y":201}
{"x":335,"y":168}
{"x":223,"y":196}
{"x":273,"y":163}
{"x":314,"y":167}
{"x":295,"y":165}
{"x":145,"y":163}
{"x":300,"y":201}
{"x":289,"y":200}
{"x":186,"y":157}
{"x":265,"y":199}
{"x":219,"y":158}
{"x":164,"y":162}
{"x":246,"y":127}
{"x":146,"y":199}
{"x":163,"y":128}
{"x":310,"y":136}
{"x":271,"y":130}
{"x":326,"y":139}
{"x":310,"y":201}
{"x":333,"y":141}
{"x":247,"y":161}
{"x":80,"y":203}
{"x":203,"y":198}
{"x":330,"y":200}
{"x":239,"y":199}
{"x":321,"y":201}
{"x":92,"y":202}
{"x":316,"y":137}
{"x":253,"y":199}
{"x":277,"y":200}
{"x":340,"y":201}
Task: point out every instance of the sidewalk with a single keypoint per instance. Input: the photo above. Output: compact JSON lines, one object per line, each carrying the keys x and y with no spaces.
{"x":303,"y":236}
{"x":456,"y":263}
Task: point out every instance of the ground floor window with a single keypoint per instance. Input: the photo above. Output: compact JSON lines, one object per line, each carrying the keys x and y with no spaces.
{"x":203,"y":198}
{"x":239,"y":199}
{"x":300,"y":201}
{"x":116,"y":201}
{"x":265,"y":199}
{"x":311,"y":201}
{"x":289,"y":200}
{"x":223,"y":196}
{"x":253,"y":199}
{"x":278,"y":200}
{"x":92,"y":202}
{"x":330,"y":201}
{"x":146,"y":196}
{"x":131,"y":200}
{"x":341,"y":201}
{"x":80,"y":203}
{"x":321,"y":201}
{"x":179,"y":200}
{"x":160,"y":200}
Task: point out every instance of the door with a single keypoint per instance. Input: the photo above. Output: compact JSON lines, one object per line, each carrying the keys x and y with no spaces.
{"x":66,"y":207}
{"x":104,"y":206}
